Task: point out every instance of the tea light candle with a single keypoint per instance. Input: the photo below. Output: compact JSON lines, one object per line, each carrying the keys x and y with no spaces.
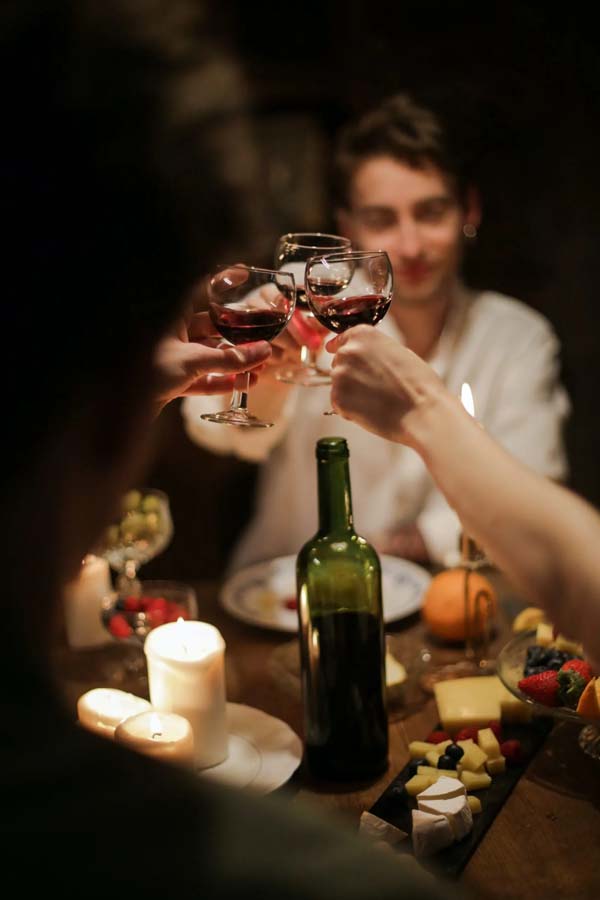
{"x":186,"y":674}
{"x":102,"y":709}
{"x":83,"y":601}
{"x":163,"y":736}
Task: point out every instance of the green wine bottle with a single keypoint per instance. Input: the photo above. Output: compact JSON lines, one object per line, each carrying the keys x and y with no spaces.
{"x":341,"y":635}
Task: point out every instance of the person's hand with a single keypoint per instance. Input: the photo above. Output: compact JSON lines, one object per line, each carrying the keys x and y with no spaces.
{"x":194,"y":359}
{"x":377,"y":383}
{"x":405,"y":541}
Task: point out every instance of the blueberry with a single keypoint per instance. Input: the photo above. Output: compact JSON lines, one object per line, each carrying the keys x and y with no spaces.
{"x":535,"y":654}
{"x":446,"y":762}
{"x":414,"y":763}
{"x":398,"y":791}
{"x":454,"y":752}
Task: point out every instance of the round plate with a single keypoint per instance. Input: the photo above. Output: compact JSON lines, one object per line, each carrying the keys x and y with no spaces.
{"x":510,"y":666}
{"x":258,"y":594}
{"x":264,"y":752}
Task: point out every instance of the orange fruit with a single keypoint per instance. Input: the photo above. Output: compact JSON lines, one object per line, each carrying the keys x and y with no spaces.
{"x":444,"y":604}
{"x":589,"y":702}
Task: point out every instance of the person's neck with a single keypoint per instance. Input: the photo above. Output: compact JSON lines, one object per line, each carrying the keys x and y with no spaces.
{"x":422,"y":326}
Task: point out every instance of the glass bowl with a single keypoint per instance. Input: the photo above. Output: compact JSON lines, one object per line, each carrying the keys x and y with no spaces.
{"x":132,"y":618}
{"x":510,"y":666}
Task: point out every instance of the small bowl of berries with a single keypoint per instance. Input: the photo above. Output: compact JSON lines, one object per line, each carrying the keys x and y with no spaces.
{"x":549,"y":672}
{"x":131,"y":618}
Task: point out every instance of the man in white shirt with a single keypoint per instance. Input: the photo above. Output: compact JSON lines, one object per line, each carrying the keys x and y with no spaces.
{"x":401,"y":190}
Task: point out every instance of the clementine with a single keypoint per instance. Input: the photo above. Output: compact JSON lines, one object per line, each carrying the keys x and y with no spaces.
{"x":444,"y":604}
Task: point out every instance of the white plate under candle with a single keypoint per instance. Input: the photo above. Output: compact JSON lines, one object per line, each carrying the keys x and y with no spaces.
{"x":264,"y":752}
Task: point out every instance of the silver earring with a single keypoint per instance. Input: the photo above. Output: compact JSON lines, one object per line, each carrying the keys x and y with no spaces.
{"x":469,"y":230}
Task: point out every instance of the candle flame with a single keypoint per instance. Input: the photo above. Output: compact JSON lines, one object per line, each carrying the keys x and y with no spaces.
{"x":466,"y":398}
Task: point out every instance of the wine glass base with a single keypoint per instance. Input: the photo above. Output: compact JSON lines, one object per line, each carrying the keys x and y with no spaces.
{"x":589,"y":741}
{"x":307,"y":376}
{"x":239,"y":418}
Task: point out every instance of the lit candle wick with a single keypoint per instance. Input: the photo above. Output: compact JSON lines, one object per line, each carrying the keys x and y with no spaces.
{"x":156,"y":734}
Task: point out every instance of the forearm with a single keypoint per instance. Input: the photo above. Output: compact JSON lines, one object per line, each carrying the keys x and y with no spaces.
{"x":544,"y":537}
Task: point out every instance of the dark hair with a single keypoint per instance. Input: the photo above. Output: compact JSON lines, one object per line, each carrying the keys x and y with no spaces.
{"x":115,"y":184}
{"x":404,"y":130}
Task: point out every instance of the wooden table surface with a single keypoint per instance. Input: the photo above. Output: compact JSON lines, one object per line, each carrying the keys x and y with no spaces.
{"x":544,"y":843}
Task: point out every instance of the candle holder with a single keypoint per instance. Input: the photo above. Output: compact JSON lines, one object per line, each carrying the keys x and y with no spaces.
{"x":478,"y":613}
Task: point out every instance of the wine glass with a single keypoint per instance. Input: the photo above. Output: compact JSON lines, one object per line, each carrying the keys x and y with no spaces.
{"x":248,"y":304}
{"x":292,"y":252}
{"x":142,"y":531}
{"x":350,"y":288}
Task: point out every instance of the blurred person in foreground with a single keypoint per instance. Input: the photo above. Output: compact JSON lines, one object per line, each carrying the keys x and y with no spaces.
{"x":405,"y":184}
{"x":112,"y":192}
{"x":543,"y":536}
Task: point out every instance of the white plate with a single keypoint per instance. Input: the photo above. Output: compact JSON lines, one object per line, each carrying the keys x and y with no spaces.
{"x":257,"y":594}
{"x":264,"y":752}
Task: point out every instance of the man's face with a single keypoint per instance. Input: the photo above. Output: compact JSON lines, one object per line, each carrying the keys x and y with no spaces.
{"x":414,"y":215}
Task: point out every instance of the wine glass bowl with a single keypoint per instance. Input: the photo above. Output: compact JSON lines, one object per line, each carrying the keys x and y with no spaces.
{"x":292,"y":252}
{"x":248,"y":304}
{"x":142,"y":531}
{"x":348,"y":289}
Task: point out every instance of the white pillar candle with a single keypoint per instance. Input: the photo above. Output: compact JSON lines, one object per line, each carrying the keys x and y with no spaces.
{"x":186,"y":674}
{"x":83,"y":604}
{"x":164,"y":736}
{"x":102,"y":709}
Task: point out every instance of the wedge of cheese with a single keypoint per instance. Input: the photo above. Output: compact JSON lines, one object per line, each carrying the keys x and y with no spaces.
{"x":476,"y":702}
{"x":430,"y":833}
{"x":379,"y":830}
{"x":443,"y":789}
{"x":456,"y":809}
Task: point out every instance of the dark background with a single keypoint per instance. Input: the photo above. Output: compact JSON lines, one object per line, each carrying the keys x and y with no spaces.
{"x":523,"y":82}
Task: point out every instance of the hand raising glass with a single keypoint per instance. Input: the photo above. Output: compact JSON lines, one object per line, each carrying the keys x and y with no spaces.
{"x":248,"y":304}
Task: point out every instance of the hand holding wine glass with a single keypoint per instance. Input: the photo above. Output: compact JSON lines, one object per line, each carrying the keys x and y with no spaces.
{"x":348,"y":289}
{"x":248,"y":304}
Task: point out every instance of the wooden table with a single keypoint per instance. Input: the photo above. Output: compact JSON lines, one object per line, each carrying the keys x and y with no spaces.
{"x":545,"y":842}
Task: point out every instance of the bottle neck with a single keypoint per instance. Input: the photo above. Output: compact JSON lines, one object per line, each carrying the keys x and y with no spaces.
{"x":335,"y":500}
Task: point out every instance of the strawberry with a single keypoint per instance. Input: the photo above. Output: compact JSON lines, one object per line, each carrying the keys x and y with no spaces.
{"x":290,"y":603}
{"x":119,"y":627}
{"x":512,"y":752}
{"x":543,"y":687}
{"x":156,"y":617}
{"x":496,"y":727}
{"x":467,"y":734}
{"x":160,"y":603}
{"x":436,"y":737}
{"x":580,"y":666}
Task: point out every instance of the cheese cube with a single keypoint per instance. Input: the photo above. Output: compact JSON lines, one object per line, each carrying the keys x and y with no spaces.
{"x":432,"y":757}
{"x":473,"y":757}
{"x":488,"y":742}
{"x":496,"y":765}
{"x":441,"y":748}
{"x":443,"y":789}
{"x":416,"y":784}
{"x":434,"y":774}
{"x":563,"y":643}
{"x":544,"y":635}
{"x":475,"y":781}
{"x":430,"y":833}
{"x":417,"y":749}
{"x":474,"y":804}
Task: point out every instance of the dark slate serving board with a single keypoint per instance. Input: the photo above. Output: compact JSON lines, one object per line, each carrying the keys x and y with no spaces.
{"x":395,"y":806}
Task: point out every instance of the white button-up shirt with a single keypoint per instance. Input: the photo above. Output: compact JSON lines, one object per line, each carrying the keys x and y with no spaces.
{"x":506,"y":351}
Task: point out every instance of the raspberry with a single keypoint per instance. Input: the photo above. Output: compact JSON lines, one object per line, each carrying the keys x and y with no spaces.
{"x":496,"y":727}
{"x":119,"y":627}
{"x":132,"y":604}
{"x":512,"y":752}
{"x":436,"y":737}
{"x":466,"y":734}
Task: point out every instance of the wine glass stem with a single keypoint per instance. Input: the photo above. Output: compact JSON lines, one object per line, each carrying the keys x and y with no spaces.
{"x":239,"y":401}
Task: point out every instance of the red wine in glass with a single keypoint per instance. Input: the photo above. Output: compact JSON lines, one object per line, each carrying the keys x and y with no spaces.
{"x":240,"y":326}
{"x":339,"y":315}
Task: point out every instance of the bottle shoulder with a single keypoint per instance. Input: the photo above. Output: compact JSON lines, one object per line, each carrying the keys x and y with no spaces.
{"x":338,"y":548}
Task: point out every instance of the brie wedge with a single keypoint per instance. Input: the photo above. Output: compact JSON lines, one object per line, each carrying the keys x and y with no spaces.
{"x":456,"y":810}
{"x":430,"y":833}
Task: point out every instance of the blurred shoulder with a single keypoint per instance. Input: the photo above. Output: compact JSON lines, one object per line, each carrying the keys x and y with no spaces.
{"x":507,"y":317}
